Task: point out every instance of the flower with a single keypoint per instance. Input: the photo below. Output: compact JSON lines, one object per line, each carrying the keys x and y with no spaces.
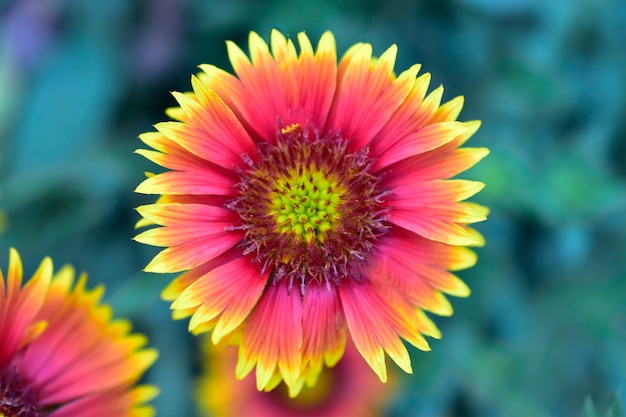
{"x":348,"y":389}
{"x":305,"y":200}
{"x":60,"y":353}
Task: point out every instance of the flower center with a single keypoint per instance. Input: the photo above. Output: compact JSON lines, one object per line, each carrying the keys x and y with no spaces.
{"x":311,"y":210}
{"x":306,"y":203}
{"x":15,"y":401}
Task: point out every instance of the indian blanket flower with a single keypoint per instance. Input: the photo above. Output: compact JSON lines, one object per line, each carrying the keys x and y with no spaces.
{"x":61,"y":355}
{"x":347,"y":389}
{"x":306,"y":200}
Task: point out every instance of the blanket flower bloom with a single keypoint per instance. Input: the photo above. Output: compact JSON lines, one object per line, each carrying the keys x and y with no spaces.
{"x":60,"y":353}
{"x":305,"y":200}
{"x":347,"y":389}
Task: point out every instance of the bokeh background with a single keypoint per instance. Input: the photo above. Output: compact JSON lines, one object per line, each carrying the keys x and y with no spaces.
{"x":545,"y":326}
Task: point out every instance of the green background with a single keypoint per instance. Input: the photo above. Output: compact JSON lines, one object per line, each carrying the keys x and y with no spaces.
{"x":545,"y":326}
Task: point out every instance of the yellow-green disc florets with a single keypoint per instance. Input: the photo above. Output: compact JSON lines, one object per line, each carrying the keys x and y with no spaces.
{"x":306,"y":203}
{"x":310,"y":209}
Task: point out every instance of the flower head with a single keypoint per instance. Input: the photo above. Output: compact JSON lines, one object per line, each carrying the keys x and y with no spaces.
{"x":60,"y":353}
{"x":305,"y":200}
{"x":347,"y":389}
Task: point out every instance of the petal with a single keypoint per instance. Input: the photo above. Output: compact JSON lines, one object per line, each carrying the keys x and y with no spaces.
{"x":416,"y":290}
{"x":193,"y":234}
{"x":189,"y":255}
{"x":435,"y":229}
{"x":423,"y":140}
{"x":431,"y":209}
{"x":310,"y":79}
{"x":33,"y":331}
{"x":192,"y":172}
{"x":183,"y":222}
{"x":368,"y":93}
{"x":20,"y":306}
{"x":178,"y":285}
{"x":449,"y":111}
{"x":111,"y":403}
{"x":213,"y":132}
{"x":96,"y":371}
{"x":353,"y":76}
{"x":418,"y":250}
{"x":160,"y":142}
{"x":228,"y":291}
{"x":171,"y":155}
{"x":435,"y":191}
{"x":207,"y":200}
{"x":81,"y":352}
{"x":273,"y":336}
{"x":279,"y":90}
{"x":191,"y":182}
{"x":265,"y":89}
{"x":217,"y":119}
{"x":416,"y":322}
{"x":283,"y":49}
{"x":317,"y":77}
{"x":410,"y":116}
{"x":323,"y":335}
{"x":462,"y":212}
{"x":439,"y":163}
{"x":405,"y":266}
{"x":375,"y":326}
{"x":234,"y":94}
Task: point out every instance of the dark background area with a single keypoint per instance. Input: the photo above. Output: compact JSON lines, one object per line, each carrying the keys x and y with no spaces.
{"x":545,"y":326}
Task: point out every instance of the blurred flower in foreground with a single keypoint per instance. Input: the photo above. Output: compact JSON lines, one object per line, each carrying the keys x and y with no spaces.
{"x":60,"y":353}
{"x":305,"y":198}
{"x":348,"y":389}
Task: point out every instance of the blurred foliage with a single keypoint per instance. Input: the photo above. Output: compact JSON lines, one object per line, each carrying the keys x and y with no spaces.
{"x":545,"y":327}
{"x":614,"y":409}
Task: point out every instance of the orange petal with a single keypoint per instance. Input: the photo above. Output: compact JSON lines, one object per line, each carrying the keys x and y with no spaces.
{"x":229,"y":291}
{"x":412,"y":114}
{"x":375,"y":325}
{"x":265,"y":88}
{"x":435,"y":229}
{"x":432,"y":210}
{"x":20,"y":306}
{"x":180,"y":283}
{"x":188,"y":244}
{"x":273,"y":336}
{"x":317,"y":77}
{"x":368,"y":93}
{"x":204,"y":182}
{"x":323,"y":335}
{"x":440,"y":163}
{"x":419,"y":283}
{"x":449,"y":111}
{"x":413,"y":143}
